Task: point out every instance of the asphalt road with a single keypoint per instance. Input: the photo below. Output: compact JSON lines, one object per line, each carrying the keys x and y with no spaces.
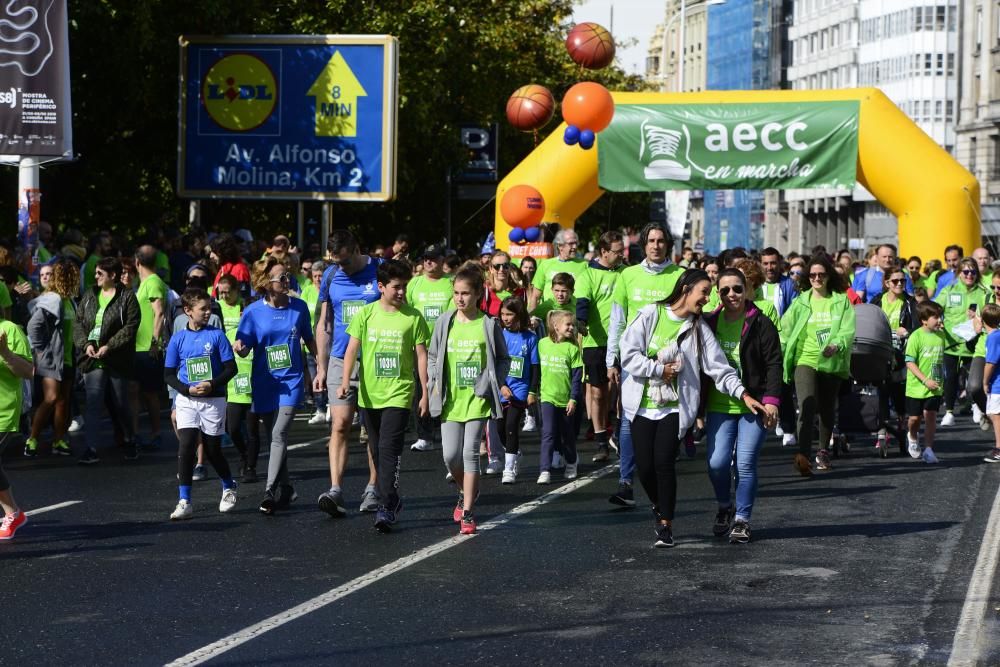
{"x":868,"y":563}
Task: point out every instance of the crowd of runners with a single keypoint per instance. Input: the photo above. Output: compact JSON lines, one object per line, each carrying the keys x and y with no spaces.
{"x":649,"y":353}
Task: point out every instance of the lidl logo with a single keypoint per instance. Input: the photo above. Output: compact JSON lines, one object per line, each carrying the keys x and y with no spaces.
{"x":239,"y":92}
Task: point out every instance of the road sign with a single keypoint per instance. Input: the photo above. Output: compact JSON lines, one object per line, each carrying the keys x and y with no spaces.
{"x":288,"y":117}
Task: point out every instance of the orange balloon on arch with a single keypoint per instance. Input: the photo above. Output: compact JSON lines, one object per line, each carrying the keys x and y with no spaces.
{"x":589,"y":106}
{"x":522,"y":206}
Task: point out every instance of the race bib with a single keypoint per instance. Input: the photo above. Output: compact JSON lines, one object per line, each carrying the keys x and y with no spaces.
{"x":937,"y":372}
{"x":431,"y":313}
{"x":386,"y":365}
{"x":95,"y":334}
{"x":954,"y":299}
{"x":199,"y":369}
{"x":468,"y":371}
{"x":822,"y":337}
{"x":278,"y":357}
{"x":516,"y":367}
{"x":241,"y":384}
{"x":348,"y":309}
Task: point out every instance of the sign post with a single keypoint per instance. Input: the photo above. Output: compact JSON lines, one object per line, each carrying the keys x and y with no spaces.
{"x":288,"y":117}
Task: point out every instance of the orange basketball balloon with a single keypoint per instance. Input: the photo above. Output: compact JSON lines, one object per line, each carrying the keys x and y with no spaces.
{"x":522,"y":206}
{"x":589,"y":106}
{"x":590,"y":45}
{"x":530,"y":107}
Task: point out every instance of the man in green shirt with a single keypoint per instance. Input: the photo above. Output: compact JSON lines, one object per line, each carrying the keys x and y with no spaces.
{"x":603,"y":273}
{"x":430,"y":295}
{"x":152,"y":296}
{"x":565,"y":261}
{"x":647,"y":282}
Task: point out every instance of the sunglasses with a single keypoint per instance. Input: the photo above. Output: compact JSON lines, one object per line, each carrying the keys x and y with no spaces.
{"x":283,"y":278}
{"x":996,"y":288}
{"x":817,"y":276}
{"x":970,"y":272}
{"x":735,"y":289}
{"x":896,"y":281}
{"x":795,"y":272}
{"x":501,"y":267}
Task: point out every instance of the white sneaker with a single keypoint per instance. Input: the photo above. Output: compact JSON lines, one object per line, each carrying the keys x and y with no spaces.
{"x":228,"y":501}
{"x":912,"y":447}
{"x":557,"y":461}
{"x":76,"y":425}
{"x":977,"y":414}
{"x":317,"y":418}
{"x":449,"y":477}
{"x":986,"y":424}
{"x":778,"y":431}
{"x":328,"y":417}
{"x":184,"y":510}
{"x":929,"y":456}
{"x":422,"y":446}
{"x":789,"y":440}
{"x":494,"y":467}
{"x":545,"y":477}
{"x":357,"y":419}
{"x":948,"y":419}
{"x":509,"y":476}
{"x":571,"y":470}
{"x":529,"y":424}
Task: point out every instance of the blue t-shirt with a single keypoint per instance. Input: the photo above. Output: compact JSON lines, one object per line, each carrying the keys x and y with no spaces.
{"x":274,"y":334}
{"x":194,"y":348}
{"x":523,"y":349}
{"x":345,"y":295}
{"x":872,"y":280}
{"x":993,"y":357}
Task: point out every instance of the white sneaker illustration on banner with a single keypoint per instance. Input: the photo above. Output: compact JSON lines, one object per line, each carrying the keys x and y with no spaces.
{"x":662,"y":145}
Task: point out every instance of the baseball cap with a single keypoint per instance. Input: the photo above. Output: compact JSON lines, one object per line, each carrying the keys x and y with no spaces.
{"x":432,"y":251}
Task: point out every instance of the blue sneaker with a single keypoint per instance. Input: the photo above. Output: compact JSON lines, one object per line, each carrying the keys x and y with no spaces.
{"x":385,"y":518}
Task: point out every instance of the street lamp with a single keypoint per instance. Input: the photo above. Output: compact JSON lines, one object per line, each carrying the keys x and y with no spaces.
{"x":666,"y":31}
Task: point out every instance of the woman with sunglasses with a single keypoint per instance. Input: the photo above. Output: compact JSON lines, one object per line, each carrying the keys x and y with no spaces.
{"x":901,"y":310}
{"x":274,"y":329}
{"x":817,"y":334}
{"x":500,"y":284}
{"x":750,"y":342}
{"x":961,"y":300}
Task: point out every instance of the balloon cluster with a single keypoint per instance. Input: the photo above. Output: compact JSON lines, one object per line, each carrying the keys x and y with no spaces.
{"x":587,"y":109}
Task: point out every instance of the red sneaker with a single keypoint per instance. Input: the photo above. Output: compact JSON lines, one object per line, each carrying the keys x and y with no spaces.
{"x":468,"y":524}
{"x":459,"y":509}
{"x":12,"y":522}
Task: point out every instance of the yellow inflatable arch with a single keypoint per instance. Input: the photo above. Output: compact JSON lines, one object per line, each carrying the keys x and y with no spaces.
{"x":934,"y":197}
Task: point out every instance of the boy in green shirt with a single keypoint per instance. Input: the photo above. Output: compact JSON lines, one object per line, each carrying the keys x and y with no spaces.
{"x":563,"y":287}
{"x":924,"y":379}
{"x":392,"y":337}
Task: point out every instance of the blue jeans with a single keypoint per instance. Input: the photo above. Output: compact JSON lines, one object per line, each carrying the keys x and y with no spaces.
{"x":746,"y":435}
{"x":626,"y":453}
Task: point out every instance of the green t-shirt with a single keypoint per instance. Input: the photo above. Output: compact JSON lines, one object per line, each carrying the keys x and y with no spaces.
{"x":956,"y":299}
{"x":543,"y":309}
{"x":11,"y":395}
{"x":636,"y":288}
{"x":602,"y":290}
{"x":5,"y":300}
{"x":388,"y":340}
{"x":892,"y":311}
{"x":548,"y":268}
{"x":429,"y":297}
{"x":714,"y":300}
{"x":668,"y":326}
{"x":150,"y":289}
{"x":89,"y":279}
{"x":68,"y":317}
{"x":926,"y":349}
{"x":770,"y":312}
{"x":816,"y":332}
{"x":240,"y":389}
{"x":310,"y":294}
{"x":163,"y":265}
{"x":728,"y":334}
{"x":102,"y":303}
{"x":465,"y":357}
{"x":558,"y":361}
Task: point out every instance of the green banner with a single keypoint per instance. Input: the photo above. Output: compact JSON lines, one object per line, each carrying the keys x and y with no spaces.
{"x":729,"y":146}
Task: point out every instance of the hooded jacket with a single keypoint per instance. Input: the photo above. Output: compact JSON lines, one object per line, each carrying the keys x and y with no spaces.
{"x":45,"y":332}
{"x":760,"y":354}
{"x":118,"y":330}
{"x":793,"y":326}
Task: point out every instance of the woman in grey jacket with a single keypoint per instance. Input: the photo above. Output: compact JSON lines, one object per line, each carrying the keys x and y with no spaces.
{"x":50,"y":330}
{"x":664,"y":351}
{"x":467,"y":366}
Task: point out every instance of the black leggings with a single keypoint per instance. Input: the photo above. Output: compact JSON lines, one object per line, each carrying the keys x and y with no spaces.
{"x":386,"y":431}
{"x":656,"y":443}
{"x":509,"y":428}
{"x":953,"y":368}
{"x":187,"y":449}
{"x":974,"y":384}
{"x":249,"y":446}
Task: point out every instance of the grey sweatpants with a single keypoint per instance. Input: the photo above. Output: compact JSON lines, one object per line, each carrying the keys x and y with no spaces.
{"x":278,"y":423}
{"x":460,"y":444}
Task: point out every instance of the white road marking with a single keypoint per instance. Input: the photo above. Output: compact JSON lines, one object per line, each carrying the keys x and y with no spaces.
{"x":49,"y":508}
{"x":300,"y":445}
{"x":225,"y":644}
{"x":971,"y":633}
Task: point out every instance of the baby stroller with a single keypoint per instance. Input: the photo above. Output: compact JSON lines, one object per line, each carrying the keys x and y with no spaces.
{"x":872,"y":358}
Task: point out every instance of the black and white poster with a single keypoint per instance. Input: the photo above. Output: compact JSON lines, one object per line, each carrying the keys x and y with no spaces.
{"x":35,"y":112}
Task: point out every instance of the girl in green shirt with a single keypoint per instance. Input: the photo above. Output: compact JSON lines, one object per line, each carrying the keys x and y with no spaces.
{"x":561,"y":389}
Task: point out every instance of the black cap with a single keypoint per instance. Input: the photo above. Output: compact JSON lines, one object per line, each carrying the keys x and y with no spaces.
{"x":433,"y":251}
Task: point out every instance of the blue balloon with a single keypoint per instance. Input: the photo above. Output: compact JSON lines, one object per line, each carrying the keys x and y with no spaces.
{"x":532,"y":234}
{"x":587,"y":139}
{"x":571,"y":135}
{"x":516,"y":235}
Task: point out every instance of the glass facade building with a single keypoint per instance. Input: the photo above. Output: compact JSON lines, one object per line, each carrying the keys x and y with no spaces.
{"x":739,"y":58}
